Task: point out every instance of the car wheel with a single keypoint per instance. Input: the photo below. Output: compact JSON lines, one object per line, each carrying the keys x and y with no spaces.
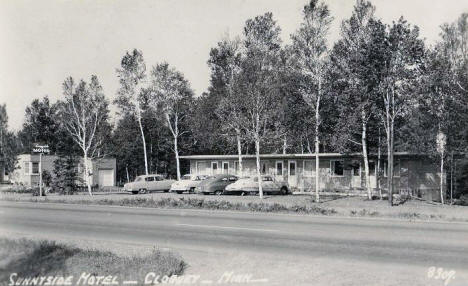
{"x":192,"y":190}
{"x":284,"y":191}
{"x":218,"y":193}
{"x":142,"y":191}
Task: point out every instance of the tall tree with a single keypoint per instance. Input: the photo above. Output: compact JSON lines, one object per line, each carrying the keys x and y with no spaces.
{"x":172,"y":96}
{"x":310,"y":51}
{"x":397,"y":52}
{"x":9,"y":148}
{"x":40,"y":125}
{"x":84,"y":111}
{"x":257,"y":85}
{"x":132,"y":87}
{"x":454,"y":45}
{"x":357,"y":90}
{"x":226,"y":66}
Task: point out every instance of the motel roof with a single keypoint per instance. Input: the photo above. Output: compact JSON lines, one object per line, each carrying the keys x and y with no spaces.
{"x":292,"y":156}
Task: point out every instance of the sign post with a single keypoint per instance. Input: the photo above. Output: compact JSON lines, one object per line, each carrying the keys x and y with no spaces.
{"x":41,"y":149}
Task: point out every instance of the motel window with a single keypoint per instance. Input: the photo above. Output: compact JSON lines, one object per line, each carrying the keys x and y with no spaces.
{"x":356,"y":168}
{"x":264,"y":168}
{"x":309,"y":168}
{"x":279,"y":168}
{"x":336,"y":168}
{"x":26,"y":168}
{"x":35,"y":168}
{"x":236,"y":166}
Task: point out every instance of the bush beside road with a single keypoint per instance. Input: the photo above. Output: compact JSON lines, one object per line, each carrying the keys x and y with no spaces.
{"x":32,"y":258}
{"x":297,"y":204}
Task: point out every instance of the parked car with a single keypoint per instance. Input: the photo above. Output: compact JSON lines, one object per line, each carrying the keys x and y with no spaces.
{"x":148,"y":183}
{"x":187,"y":183}
{"x":216,"y":184}
{"x":249,"y":186}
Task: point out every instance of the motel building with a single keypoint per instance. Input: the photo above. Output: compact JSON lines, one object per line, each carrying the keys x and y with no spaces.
{"x":103,"y":171}
{"x":339,"y":173}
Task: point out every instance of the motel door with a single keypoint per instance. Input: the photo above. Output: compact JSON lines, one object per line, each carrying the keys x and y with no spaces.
{"x":356,"y":174}
{"x":292,"y":174}
{"x":372,"y":174}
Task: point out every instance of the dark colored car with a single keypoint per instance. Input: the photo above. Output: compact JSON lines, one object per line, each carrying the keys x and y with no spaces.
{"x":216,"y":184}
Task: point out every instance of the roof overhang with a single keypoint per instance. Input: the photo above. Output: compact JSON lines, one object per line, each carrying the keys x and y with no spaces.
{"x":293,"y":156}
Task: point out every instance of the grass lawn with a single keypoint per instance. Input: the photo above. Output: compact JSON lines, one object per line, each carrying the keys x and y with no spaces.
{"x":300,"y":204}
{"x":31,"y":258}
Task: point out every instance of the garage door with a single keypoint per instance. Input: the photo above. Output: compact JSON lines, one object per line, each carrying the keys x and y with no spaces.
{"x":106,"y":177}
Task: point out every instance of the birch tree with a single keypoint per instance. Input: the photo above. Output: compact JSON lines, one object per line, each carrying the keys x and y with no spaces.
{"x":454,"y":45}
{"x":256,"y":85}
{"x":355,"y":81}
{"x":132,"y":84}
{"x":227,"y":68}
{"x":83,"y":112}
{"x":310,"y":51}
{"x":398,"y":52}
{"x":172,"y":96}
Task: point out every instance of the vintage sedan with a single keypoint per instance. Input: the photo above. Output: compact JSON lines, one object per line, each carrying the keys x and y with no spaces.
{"x":249,"y":186}
{"x":148,"y":183}
{"x":187,"y":183}
{"x":216,"y":184}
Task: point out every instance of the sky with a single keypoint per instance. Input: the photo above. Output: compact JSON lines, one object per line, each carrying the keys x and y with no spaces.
{"x":43,"y":42}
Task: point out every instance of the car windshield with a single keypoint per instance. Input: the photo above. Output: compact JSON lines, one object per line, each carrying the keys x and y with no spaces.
{"x":138,"y":179}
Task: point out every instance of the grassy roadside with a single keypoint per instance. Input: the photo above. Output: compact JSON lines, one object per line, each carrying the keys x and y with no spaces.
{"x":30,"y":258}
{"x":297,"y":204}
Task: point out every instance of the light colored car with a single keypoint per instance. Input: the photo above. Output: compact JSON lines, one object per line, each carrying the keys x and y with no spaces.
{"x":216,"y":184}
{"x":249,"y":186}
{"x":187,"y":183}
{"x":148,"y":183}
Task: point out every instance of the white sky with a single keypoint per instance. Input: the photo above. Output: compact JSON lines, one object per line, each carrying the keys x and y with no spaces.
{"x":43,"y":42}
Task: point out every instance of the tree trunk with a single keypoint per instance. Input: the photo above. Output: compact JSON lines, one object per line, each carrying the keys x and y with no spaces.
{"x":442,"y":177}
{"x":317,"y":148}
{"x":239,"y":152}
{"x":365,"y":157}
{"x":128,"y":177}
{"x":390,"y":165}
{"x":257,"y":156}
{"x":143,"y":139}
{"x":176,"y":151}
{"x":377,"y":172}
{"x":86,"y":173}
{"x":285,"y":145}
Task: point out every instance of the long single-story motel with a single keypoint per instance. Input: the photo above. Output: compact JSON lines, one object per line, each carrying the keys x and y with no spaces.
{"x":338,"y":172}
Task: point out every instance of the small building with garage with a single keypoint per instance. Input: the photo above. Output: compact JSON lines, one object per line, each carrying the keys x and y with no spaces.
{"x":103,"y":170}
{"x":338,"y":173}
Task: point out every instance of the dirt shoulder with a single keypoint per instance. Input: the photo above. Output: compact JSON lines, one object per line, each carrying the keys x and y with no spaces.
{"x":299,"y":204}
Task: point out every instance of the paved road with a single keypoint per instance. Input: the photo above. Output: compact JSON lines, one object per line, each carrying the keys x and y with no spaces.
{"x":375,"y":242}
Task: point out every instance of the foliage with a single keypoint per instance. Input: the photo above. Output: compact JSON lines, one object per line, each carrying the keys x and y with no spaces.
{"x":66,"y":178}
{"x":9,"y":146}
{"x":41,"y":125}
